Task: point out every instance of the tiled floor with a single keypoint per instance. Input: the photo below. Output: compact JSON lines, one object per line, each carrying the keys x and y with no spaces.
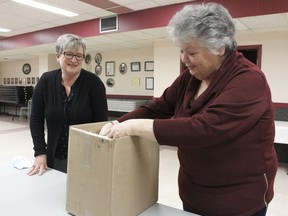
{"x":15,"y":140}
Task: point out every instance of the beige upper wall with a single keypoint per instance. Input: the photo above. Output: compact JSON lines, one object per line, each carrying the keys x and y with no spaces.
{"x":167,"y":66}
{"x":13,"y":70}
{"x":130,"y":83}
{"x":274,"y":60}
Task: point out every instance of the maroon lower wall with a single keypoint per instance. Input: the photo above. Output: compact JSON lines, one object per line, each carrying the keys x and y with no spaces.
{"x":276,"y":105}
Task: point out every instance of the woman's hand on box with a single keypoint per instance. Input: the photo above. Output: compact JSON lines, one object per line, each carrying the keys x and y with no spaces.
{"x":132,"y":127}
{"x":106,"y":129}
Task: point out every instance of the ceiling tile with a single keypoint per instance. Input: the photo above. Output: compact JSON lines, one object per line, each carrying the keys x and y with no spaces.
{"x":240,"y":26}
{"x":265,"y":22}
{"x":142,"y":5}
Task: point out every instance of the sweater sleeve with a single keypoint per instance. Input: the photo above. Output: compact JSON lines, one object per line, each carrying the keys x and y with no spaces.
{"x":98,"y":100}
{"x":235,"y":110}
{"x":158,"y":108}
{"x":37,"y":118}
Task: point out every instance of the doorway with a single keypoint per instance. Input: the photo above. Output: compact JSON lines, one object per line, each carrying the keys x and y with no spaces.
{"x":252,"y":53}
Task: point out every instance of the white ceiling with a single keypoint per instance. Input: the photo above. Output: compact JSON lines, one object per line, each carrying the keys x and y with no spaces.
{"x":23,"y":19}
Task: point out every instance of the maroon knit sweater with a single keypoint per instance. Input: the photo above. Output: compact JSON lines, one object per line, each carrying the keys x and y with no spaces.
{"x":225,"y":138}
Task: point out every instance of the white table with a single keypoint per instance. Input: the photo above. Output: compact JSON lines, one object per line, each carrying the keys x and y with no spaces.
{"x":281,"y":132}
{"x":46,"y":195}
{"x":32,"y":195}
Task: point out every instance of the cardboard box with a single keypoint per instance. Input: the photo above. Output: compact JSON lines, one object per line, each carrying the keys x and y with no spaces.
{"x":107,"y":177}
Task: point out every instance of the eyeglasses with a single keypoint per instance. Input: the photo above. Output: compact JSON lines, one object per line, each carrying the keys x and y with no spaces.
{"x":78,"y":56}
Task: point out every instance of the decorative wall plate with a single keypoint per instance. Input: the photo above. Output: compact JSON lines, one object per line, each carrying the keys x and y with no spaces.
{"x":110,"y":82}
{"x":122,"y":68}
{"x":98,"y":69}
{"x":98,"y":58}
{"x":88,"y":59}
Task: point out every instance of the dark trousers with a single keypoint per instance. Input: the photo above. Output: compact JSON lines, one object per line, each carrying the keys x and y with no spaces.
{"x":60,"y":165}
{"x":262,"y":212}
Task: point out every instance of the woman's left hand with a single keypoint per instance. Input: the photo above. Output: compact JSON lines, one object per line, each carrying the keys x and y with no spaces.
{"x":132,"y":127}
{"x":105,"y":130}
{"x":117,"y":130}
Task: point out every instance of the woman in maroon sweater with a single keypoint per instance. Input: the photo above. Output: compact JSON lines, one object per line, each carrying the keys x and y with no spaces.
{"x":218,"y":113}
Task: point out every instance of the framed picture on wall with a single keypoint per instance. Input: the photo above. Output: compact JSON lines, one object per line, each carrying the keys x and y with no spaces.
{"x":135,"y":66}
{"x":110,"y":68}
{"x":149,"y":83}
{"x":16,"y":81}
{"x":149,"y":66}
{"x":4,"y":81}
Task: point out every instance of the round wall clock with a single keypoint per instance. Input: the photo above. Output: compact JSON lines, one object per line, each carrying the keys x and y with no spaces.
{"x":26,"y":68}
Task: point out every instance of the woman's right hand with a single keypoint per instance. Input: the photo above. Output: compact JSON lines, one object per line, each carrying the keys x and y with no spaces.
{"x":40,"y":165}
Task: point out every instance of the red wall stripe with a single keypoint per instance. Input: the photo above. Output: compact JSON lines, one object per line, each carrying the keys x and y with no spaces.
{"x":135,"y":97}
{"x":149,"y":18}
{"x":84,"y":29}
{"x":111,"y":96}
{"x":281,"y":105}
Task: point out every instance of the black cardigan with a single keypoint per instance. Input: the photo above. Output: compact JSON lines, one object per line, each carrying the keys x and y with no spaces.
{"x":89,"y":104}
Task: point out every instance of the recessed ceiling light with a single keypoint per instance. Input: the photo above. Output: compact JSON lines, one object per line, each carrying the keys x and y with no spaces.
{"x":46,"y":7}
{"x":4,"y":30}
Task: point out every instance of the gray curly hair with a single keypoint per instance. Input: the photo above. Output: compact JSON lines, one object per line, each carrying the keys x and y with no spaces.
{"x":210,"y":24}
{"x":67,"y":41}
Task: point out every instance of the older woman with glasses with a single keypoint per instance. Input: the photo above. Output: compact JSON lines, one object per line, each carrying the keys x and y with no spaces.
{"x":66,"y":96}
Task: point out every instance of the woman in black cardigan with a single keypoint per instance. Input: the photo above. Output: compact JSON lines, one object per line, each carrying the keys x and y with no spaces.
{"x":63,"y":97}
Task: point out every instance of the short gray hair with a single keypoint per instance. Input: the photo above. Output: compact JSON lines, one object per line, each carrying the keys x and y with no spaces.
{"x":210,"y":24}
{"x":67,"y":41}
